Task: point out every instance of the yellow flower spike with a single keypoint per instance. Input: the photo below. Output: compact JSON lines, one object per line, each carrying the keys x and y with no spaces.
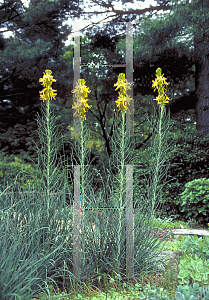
{"x":81,"y":91}
{"x":160,"y":83}
{"x":47,"y":80}
{"x":123,"y":99}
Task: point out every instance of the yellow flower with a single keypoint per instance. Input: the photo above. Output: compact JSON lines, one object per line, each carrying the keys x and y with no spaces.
{"x":160,"y":83}
{"x":81,"y":93}
{"x":47,"y":80}
{"x":123,"y":99}
{"x":47,"y":93}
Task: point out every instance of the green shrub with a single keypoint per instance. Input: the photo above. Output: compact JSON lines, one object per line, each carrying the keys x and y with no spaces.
{"x":194,"y":264}
{"x":184,"y":292}
{"x":196,"y":200}
{"x":193,"y":274}
{"x":194,"y":292}
{"x":12,"y":168}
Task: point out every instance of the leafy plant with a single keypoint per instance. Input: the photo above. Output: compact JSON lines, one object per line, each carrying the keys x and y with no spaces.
{"x":194,"y":269}
{"x":184,"y":292}
{"x":151,"y":293}
{"x":195,"y":262}
{"x":191,"y":292}
{"x":196,"y":200}
{"x":193,"y":245}
{"x":11,"y":166}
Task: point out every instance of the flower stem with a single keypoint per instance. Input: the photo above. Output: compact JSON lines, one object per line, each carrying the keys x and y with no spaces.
{"x":121,"y":187}
{"x":48,"y":163}
{"x":82,"y":187}
{"x":159,"y":83}
{"x":46,"y":94}
{"x":158,"y":158}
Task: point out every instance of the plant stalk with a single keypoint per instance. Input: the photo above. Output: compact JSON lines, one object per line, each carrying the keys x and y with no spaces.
{"x":121,"y":188}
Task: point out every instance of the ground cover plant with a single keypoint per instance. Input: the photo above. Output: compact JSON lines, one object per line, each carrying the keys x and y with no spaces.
{"x":196,"y":200}
{"x":36,"y":244}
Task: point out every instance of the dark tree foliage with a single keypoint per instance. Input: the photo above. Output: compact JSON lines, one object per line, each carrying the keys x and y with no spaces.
{"x":36,"y":45}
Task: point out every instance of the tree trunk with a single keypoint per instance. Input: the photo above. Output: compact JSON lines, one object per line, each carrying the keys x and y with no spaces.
{"x":201,"y":46}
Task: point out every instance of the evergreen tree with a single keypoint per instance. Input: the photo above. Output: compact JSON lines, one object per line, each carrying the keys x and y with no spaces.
{"x":184,"y":30}
{"x":36,"y":45}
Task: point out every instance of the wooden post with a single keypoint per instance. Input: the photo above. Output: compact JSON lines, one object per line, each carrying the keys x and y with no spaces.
{"x":129,"y":77}
{"x":77,"y":70}
{"x":77,"y":130}
{"x":129,"y":168}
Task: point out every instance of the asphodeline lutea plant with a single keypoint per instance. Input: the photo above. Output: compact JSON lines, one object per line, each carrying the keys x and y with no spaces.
{"x":123,"y":98}
{"x":159,"y":84}
{"x":81,"y":94}
{"x":81,"y":91}
{"x":122,"y":102}
{"x":46,"y":94}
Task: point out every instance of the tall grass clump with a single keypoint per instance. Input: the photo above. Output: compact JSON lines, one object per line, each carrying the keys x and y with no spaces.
{"x":36,"y":247}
